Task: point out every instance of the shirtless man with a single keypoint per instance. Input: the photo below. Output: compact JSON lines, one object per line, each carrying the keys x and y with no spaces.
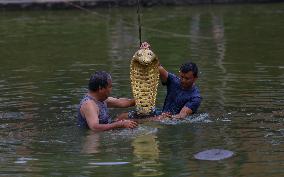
{"x":93,"y":108}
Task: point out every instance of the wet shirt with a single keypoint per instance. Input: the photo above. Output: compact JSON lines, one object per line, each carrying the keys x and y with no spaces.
{"x":177,"y":97}
{"x":104,"y":117}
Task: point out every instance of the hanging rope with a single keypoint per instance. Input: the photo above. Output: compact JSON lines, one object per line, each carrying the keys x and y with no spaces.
{"x":166,"y":33}
{"x":139,"y":21}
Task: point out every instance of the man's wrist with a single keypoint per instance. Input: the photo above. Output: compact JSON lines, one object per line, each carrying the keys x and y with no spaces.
{"x":120,"y":123}
{"x":176,"y":116}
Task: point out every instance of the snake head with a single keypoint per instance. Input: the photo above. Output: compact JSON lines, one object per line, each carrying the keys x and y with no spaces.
{"x":144,"y":56}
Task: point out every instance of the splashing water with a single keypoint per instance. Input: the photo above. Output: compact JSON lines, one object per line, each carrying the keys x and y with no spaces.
{"x":198,"y":118}
{"x":132,"y":133}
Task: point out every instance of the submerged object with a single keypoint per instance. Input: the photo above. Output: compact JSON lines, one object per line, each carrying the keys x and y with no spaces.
{"x":214,"y":154}
{"x":144,"y":75}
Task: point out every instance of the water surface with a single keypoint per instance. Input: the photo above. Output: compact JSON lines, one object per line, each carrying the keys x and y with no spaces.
{"x":48,"y":56}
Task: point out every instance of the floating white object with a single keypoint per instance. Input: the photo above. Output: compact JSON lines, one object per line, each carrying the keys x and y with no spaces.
{"x":214,"y":154}
{"x":108,"y":163}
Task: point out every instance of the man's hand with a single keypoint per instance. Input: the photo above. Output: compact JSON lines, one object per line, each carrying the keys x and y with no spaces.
{"x":164,"y":115}
{"x":168,"y":115}
{"x":145,"y":45}
{"x":128,"y":124}
{"x":177,"y":116}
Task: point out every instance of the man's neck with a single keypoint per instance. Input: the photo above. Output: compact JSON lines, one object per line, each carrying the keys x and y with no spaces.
{"x":189,"y":87}
{"x":96,"y":96}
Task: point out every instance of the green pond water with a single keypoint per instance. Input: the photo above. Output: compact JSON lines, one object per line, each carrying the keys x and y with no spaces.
{"x":47,"y":57}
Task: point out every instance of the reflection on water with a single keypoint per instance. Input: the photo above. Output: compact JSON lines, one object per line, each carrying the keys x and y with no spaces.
{"x":91,"y":143}
{"x":146,"y":152}
{"x":47,"y":58}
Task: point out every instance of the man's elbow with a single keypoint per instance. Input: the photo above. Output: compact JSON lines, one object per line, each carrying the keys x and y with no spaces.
{"x":95,"y":127}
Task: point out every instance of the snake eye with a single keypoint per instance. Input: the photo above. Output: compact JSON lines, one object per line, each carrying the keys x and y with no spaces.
{"x":150,"y":53}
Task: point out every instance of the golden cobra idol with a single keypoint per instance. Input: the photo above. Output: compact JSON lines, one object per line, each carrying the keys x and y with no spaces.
{"x":144,"y":75}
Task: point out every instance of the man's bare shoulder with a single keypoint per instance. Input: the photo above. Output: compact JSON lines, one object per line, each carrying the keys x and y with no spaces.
{"x":89,"y":105}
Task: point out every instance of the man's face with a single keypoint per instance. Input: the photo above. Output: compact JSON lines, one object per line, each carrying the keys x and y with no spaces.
{"x":187,"y":79}
{"x":107,"y":91}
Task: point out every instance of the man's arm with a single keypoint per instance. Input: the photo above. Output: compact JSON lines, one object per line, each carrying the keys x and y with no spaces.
{"x":163,"y":73}
{"x":120,"y":102}
{"x":189,"y":108}
{"x":185,"y":111}
{"x":90,"y":111}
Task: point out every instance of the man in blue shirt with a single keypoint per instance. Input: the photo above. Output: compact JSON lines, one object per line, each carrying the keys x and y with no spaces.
{"x":183,"y":97}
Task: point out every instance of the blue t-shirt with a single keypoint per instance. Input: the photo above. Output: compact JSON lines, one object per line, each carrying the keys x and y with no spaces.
{"x":177,"y":97}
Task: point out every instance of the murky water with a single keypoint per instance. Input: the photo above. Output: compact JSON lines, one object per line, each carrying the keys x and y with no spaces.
{"x":48,"y":56}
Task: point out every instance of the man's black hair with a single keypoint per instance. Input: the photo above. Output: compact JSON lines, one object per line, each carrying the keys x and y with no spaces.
{"x":189,"y":66}
{"x":99,"y":80}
